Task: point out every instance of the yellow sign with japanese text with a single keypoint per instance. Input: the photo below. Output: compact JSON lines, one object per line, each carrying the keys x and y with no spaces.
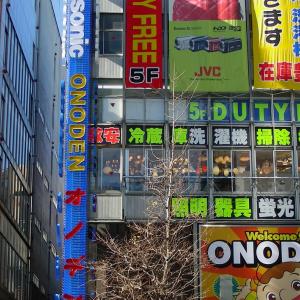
{"x":276,"y":44}
{"x":250,"y":262}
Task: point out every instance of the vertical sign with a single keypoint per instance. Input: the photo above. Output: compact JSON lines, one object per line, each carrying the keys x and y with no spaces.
{"x":144,"y":44}
{"x":76,"y":137}
{"x":276,"y":44}
{"x":206,"y":40}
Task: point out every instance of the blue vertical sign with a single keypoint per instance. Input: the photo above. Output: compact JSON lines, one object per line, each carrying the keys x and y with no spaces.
{"x":76,"y":136}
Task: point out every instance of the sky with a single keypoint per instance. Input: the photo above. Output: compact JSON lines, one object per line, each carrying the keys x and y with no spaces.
{"x":58,"y":8}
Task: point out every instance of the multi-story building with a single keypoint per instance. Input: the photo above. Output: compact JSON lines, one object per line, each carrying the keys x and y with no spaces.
{"x":30,"y":54}
{"x":238,"y":117}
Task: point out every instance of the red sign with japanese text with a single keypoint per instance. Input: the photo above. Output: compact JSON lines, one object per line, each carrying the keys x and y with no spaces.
{"x":143,"y":44}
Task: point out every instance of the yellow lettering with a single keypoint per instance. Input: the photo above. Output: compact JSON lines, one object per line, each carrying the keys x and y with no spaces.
{"x":77,"y":131}
{"x":144,"y":44}
{"x":76,"y":146}
{"x":78,"y":81}
{"x":144,"y":57}
{"x":145,"y":31}
{"x":145,"y":3}
{"x":144,"y":18}
{"x":77,"y":114}
{"x":75,"y":163}
{"x":77,"y":100}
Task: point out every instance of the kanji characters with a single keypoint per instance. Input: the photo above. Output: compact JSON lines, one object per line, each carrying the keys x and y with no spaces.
{"x":266,"y":71}
{"x":264,"y":136}
{"x":282,"y":137}
{"x":184,"y":207}
{"x":267,"y":207}
{"x":154,"y":136}
{"x":222,"y":136}
{"x":242,"y":207}
{"x":180,"y":135}
{"x":223,"y":207}
{"x":198,"y":207}
{"x":276,"y":208}
{"x":239,"y":137}
{"x":100,"y":135}
{"x":197,"y":136}
{"x":286,"y":208}
{"x":112,"y":135}
{"x":180,"y":207}
{"x":284,"y":71}
{"x":137,"y":135}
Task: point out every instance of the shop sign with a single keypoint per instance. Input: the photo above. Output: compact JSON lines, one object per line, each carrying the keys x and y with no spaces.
{"x":78,"y":49}
{"x":145,"y":135}
{"x":232,"y":208}
{"x":249,"y":262}
{"x":276,"y":44}
{"x":298,"y":136}
{"x":238,"y":111}
{"x":190,"y":207}
{"x":192,"y":135}
{"x":105,"y":135}
{"x":276,"y":208}
{"x":206,"y":39}
{"x":144,"y":46}
{"x":269,"y":136}
{"x":230,"y":136}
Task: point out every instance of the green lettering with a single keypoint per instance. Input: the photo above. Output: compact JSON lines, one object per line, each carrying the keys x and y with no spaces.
{"x":298,"y":112}
{"x":281,"y":110}
{"x":218,"y":106}
{"x":261,"y":110}
{"x":236,"y":115}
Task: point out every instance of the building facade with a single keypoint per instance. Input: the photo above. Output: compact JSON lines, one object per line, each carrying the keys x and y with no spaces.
{"x":235,"y":112}
{"x":30,"y":103}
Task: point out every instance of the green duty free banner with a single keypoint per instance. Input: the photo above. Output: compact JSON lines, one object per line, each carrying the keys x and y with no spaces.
{"x":208,"y":46}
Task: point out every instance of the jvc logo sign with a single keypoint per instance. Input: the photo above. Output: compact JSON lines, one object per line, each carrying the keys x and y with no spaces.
{"x":210,"y":71}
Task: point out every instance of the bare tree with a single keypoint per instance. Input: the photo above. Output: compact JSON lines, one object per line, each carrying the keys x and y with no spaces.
{"x":156,"y":259}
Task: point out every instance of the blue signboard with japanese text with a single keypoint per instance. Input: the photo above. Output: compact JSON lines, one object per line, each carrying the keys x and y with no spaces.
{"x":78,"y":48}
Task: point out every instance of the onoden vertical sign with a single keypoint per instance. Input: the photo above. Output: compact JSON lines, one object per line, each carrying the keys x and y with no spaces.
{"x":276,"y":44}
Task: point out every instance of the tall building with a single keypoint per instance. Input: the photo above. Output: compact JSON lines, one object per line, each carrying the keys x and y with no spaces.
{"x":237,"y":117}
{"x":30,"y":54}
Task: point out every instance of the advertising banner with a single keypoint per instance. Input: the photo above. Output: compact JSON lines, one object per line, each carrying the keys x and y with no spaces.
{"x":250,"y":263}
{"x":208,"y":45}
{"x":78,"y":52}
{"x":276,"y":44}
{"x":144,"y":48}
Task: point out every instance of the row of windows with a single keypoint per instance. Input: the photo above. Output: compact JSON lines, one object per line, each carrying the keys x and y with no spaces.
{"x":270,"y":170}
{"x":16,"y":65}
{"x":15,"y":133}
{"x":241,"y":110}
{"x":13,"y":194}
{"x":13,"y":271}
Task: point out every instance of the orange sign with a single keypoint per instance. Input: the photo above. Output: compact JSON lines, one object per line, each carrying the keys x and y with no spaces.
{"x":250,"y":263}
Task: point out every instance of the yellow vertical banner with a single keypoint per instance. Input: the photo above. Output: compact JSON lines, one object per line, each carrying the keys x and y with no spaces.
{"x":276,"y":44}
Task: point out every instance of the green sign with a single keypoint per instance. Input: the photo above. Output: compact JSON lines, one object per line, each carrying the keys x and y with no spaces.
{"x":204,"y":52}
{"x":280,"y":136}
{"x":145,"y":135}
{"x":190,"y":207}
{"x":232,"y":208}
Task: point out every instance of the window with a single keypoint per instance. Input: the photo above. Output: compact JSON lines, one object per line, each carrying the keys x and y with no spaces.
{"x":38,"y":166}
{"x":45,"y":236}
{"x":231,"y":170}
{"x":35,"y":280}
{"x":111,"y":30}
{"x":108,"y":170}
{"x":274,"y":170}
{"x":145,"y":110}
